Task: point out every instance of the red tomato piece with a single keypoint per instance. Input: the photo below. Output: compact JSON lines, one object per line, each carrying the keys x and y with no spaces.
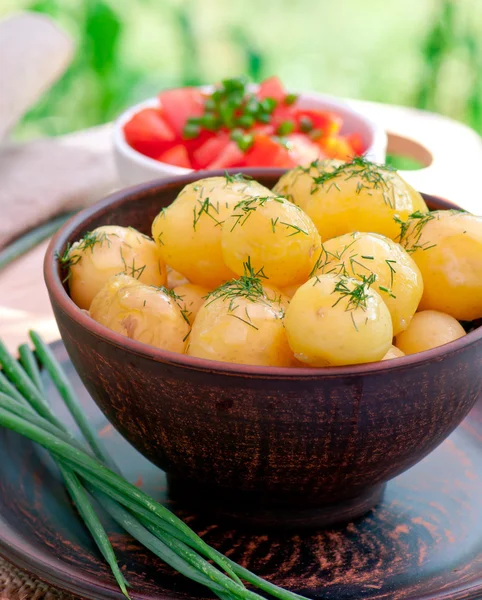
{"x":356,"y":142}
{"x":210,"y":150}
{"x":271,"y":88}
{"x":303,"y":150}
{"x":180,"y":104}
{"x":231,"y":156}
{"x":283,"y":113}
{"x":177,"y":155}
{"x":148,"y":133}
{"x":266,"y":152}
{"x":329,"y":123}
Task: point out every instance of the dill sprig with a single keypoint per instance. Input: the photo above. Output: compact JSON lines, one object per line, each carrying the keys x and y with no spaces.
{"x":356,"y":293}
{"x":73,"y":252}
{"x":411,"y":231}
{"x":206,"y":207}
{"x":248,"y":286}
{"x":237,"y":178}
{"x":244,"y":208}
{"x":179,"y":301}
{"x":371,"y":176}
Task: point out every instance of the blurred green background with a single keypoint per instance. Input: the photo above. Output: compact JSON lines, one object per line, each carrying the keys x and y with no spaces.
{"x":423,"y":53}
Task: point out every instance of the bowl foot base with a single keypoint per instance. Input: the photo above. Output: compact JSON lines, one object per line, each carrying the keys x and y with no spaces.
{"x":257,"y":514}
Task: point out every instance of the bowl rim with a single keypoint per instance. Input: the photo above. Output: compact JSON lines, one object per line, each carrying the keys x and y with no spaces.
{"x":377,"y":146}
{"x":61,"y":298}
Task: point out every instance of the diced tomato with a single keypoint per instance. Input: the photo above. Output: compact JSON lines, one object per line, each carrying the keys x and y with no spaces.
{"x":177,"y":155}
{"x":337,"y":147}
{"x":329,"y":123}
{"x":303,"y":150}
{"x":180,"y":104}
{"x":148,"y":133}
{"x":267,"y":152}
{"x":356,"y":142}
{"x":210,"y":150}
{"x":271,"y":88}
{"x":282,"y":113}
{"x":231,"y":156}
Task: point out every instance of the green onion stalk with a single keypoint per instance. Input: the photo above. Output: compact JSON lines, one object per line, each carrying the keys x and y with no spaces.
{"x":90,"y":473}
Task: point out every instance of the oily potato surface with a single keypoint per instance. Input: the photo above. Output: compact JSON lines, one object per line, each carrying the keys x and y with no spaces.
{"x":429,"y":329}
{"x":333,"y":320}
{"x":360,"y":196}
{"x":447,"y":247}
{"x":109,"y":250}
{"x":141,"y":312}
{"x":188,"y":232}
{"x":244,"y":327}
{"x":275,"y":236}
{"x":361,"y":255}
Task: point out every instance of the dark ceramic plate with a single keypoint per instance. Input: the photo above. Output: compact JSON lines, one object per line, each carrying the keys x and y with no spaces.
{"x":424,"y":541}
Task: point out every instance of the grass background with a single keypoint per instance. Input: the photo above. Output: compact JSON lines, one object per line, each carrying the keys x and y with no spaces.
{"x":423,"y":53}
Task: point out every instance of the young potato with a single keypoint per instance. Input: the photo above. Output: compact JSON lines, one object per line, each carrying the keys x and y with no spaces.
{"x":429,"y":329}
{"x":393,"y":352}
{"x":188,"y":232}
{"x":333,"y":320}
{"x":141,"y":312}
{"x":174,"y":278}
{"x":361,"y":196}
{"x":106,"y":251}
{"x":242,"y":322}
{"x":290,"y":290}
{"x":297,"y":184}
{"x":275,"y":235}
{"x":191,"y":298}
{"x":447,"y":247}
{"x":398,"y":279}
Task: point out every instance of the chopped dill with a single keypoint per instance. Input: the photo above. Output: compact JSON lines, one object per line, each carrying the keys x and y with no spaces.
{"x":249,"y":286}
{"x":356,"y":294}
{"x":237,"y":178}
{"x":273,"y":224}
{"x":205,"y":207}
{"x":73,"y":253}
{"x":390,"y":263}
{"x":244,"y":208}
{"x":411,"y":231}
{"x":179,"y":301}
{"x":294,"y":227}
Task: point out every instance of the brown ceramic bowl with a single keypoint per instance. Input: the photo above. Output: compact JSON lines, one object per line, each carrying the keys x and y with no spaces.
{"x":268,"y":444}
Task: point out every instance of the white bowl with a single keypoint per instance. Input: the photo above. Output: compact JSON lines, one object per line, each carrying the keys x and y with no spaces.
{"x":134,"y":167}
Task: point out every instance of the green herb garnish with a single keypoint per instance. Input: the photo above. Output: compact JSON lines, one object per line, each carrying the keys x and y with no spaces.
{"x":414,"y":226}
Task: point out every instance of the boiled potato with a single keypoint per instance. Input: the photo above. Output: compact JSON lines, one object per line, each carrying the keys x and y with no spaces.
{"x":109,"y":250}
{"x":174,"y":278}
{"x":398,"y":279}
{"x":290,"y":290}
{"x":393,"y":352}
{"x":447,"y":247}
{"x":191,"y":298}
{"x":297,"y":184}
{"x":429,"y":329}
{"x":242,"y":322}
{"x":333,"y":320}
{"x":188,"y":232}
{"x":141,"y":312}
{"x":275,"y":236}
{"x":360,"y":196}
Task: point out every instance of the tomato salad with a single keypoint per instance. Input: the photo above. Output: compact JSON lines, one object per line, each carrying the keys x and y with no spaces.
{"x":236,"y":127}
